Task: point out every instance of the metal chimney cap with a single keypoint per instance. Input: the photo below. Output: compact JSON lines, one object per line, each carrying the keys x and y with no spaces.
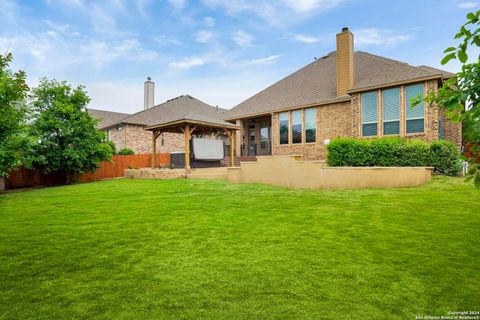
{"x":344,"y":29}
{"x":149,"y":78}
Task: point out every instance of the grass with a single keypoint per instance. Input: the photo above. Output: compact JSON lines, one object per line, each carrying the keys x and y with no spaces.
{"x":140,"y":249}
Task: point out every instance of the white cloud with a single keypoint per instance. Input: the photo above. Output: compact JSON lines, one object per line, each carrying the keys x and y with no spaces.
{"x":226,"y":90}
{"x":62,"y":28}
{"x":373,"y":36}
{"x":187,"y":63}
{"x":305,"y":39}
{"x":275,"y":12}
{"x":204,"y":36}
{"x":242,"y":38}
{"x":310,"y":5}
{"x":8,"y":10}
{"x":468,"y":5}
{"x":102,"y":52}
{"x":266,"y":60}
{"x":163,"y":40}
{"x":142,"y":7}
{"x":209,"y":21}
{"x":177,"y":4}
{"x":50,"y":53}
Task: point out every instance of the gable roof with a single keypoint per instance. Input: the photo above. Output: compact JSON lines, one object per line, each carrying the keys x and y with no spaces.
{"x":175,"y":109}
{"x":445,"y":74}
{"x":316,"y":84}
{"x":107,"y":118}
{"x":195,"y":119}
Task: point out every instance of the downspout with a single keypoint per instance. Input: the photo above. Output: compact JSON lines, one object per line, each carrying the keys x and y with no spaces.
{"x":125,"y":137}
{"x":440,"y":128}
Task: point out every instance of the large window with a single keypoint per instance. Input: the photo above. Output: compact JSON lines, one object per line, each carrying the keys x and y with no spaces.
{"x":369,"y":114}
{"x":310,"y":124}
{"x":297,"y":126}
{"x":414,"y":116}
{"x":391,"y":111}
{"x":283,"y":119}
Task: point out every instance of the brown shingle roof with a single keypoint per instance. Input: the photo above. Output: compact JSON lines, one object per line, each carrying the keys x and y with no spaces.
{"x":176,"y":109}
{"x":445,"y":74}
{"x":195,"y":118}
{"x":316,"y":83}
{"x":107,"y":118}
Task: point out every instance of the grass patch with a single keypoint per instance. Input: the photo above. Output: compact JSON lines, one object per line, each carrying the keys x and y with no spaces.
{"x":195,"y":249}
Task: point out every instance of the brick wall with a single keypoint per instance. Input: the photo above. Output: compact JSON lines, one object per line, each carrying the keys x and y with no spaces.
{"x":451,"y":131}
{"x":117,"y":135}
{"x":140,"y":141}
{"x":333,"y":121}
{"x":344,"y":120}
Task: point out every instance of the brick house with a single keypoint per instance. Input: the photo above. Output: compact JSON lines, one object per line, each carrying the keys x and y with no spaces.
{"x":128,"y":130}
{"x":343,"y":94}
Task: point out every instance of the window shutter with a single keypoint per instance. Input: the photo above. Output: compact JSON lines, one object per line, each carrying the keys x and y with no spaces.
{"x":369,"y":114}
{"x":391,"y":111}
{"x":413,"y":92}
{"x":415,"y":116}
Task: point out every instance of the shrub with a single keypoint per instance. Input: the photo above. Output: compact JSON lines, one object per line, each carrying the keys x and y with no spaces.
{"x":112,"y":145}
{"x":394,"y":152}
{"x":125,"y":152}
{"x":445,"y":158}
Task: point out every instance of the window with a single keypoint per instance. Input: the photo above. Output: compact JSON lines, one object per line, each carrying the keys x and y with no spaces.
{"x":264,"y":135}
{"x":414,"y":116}
{"x":310,"y":124}
{"x":283,"y":119}
{"x":297,"y":126}
{"x":369,"y":114}
{"x":391,"y":111}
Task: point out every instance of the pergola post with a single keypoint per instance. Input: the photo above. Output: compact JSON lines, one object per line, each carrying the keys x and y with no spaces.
{"x":186,"y":132}
{"x":154,"y":148}
{"x":232,"y":148}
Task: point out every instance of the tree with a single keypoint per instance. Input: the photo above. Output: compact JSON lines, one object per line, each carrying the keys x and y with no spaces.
{"x":460,"y":96}
{"x":13,"y":91}
{"x":66,"y":136}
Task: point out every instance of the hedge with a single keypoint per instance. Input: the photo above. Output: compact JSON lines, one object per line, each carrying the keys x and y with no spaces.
{"x":443,"y":156}
{"x":125,"y":152}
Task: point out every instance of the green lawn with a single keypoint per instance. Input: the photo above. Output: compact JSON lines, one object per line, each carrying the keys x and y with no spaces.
{"x":140,"y":249}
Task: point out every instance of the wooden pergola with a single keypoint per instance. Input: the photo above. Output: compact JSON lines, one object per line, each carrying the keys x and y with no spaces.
{"x":187,"y":127}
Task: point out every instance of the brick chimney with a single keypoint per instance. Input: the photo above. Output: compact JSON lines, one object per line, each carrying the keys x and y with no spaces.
{"x":148,"y":98}
{"x":345,"y":62}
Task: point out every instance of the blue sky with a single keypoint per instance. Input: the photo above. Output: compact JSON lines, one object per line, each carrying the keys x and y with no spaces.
{"x":220,"y":51}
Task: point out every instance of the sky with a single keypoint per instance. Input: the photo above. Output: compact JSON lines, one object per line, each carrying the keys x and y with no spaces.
{"x":219,"y":51}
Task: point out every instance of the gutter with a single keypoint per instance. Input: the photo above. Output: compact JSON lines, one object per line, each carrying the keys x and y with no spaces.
{"x":316,"y":104}
{"x":396,"y":83}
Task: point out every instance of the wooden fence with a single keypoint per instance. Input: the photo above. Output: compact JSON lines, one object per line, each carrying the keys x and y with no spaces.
{"x":24,"y":178}
{"x":470,"y":153}
{"x":116,"y":168}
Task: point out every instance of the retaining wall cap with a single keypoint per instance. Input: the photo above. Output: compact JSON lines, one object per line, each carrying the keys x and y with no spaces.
{"x":375,"y":168}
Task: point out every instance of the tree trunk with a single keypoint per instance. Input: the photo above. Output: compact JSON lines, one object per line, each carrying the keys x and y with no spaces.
{"x":67,"y":178}
{"x":2,"y":183}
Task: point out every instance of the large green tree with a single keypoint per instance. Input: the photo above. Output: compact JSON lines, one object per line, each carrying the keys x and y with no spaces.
{"x":67,"y":139}
{"x":13,"y":91}
{"x":460,"y":96}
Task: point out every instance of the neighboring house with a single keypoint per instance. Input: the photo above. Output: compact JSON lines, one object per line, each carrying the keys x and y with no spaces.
{"x":127,"y":131}
{"x":343,"y":94}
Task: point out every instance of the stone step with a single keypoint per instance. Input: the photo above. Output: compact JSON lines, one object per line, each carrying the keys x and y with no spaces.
{"x":209,"y":170}
{"x":208,"y":175}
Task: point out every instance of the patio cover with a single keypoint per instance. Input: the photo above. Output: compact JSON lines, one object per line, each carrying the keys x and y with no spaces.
{"x":189,"y":124}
